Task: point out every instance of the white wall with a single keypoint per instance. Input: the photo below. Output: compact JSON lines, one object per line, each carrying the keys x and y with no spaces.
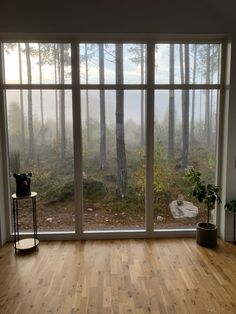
{"x":229,"y":187}
{"x":136,"y":16}
{"x":3,"y":235}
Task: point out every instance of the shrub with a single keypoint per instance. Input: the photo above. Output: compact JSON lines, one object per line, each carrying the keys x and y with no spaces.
{"x":93,"y":189}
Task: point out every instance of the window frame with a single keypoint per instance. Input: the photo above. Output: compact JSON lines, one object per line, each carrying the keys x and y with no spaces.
{"x":76,"y":87}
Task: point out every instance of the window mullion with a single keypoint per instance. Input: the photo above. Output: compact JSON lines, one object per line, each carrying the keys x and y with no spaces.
{"x":5,"y":210}
{"x":37,"y":86}
{"x":113,"y":86}
{"x":149,"y":214}
{"x":77,"y":139}
{"x":187,"y":86}
{"x":220,"y":130}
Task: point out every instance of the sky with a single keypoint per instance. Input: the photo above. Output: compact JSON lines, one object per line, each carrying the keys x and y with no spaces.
{"x":132,"y":75}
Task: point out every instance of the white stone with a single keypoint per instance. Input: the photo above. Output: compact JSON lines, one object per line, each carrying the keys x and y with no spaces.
{"x":160,"y":218}
{"x":89,"y":209}
{"x":49,"y":219}
{"x":187,"y":210}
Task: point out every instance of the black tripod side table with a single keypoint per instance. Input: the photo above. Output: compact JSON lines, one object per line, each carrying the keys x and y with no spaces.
{"x":26,"y":243}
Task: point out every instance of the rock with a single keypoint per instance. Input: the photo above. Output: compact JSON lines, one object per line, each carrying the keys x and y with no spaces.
{"x":186,"y":210}
{"x":49,"y":219}
{"x":89,"y":209}
{"x":160,"y":218}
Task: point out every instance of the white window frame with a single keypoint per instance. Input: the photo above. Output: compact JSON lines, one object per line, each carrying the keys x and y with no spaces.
{"x":150,"y":40}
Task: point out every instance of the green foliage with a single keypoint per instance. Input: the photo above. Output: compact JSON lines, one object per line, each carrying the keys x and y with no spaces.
{"x":65,"y":190}
{"x":162,"y":172}
{"x":55,"y":190}
{"x":204,"y":193}
{"x":93,"y":189}
{"x":231,"y":206}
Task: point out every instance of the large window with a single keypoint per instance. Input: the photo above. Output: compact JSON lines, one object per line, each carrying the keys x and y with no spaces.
{"x":113,"y":126}
{"x":40,"y":133}
{"x":142,"y":113}
{"x":185,"y":128}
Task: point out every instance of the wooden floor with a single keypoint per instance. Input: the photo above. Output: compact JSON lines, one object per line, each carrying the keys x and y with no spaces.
{"x":125,"y":276}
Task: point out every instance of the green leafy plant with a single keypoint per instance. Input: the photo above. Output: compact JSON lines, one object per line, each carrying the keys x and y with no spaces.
{"x":204,"y":193}
{"x":231,"y":206}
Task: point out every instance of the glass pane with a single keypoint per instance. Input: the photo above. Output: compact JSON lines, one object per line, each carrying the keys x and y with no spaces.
{"x":134,"y":63}
{"x":201,"y":61}
{"x":37,"y":63}
{"x":185,"y":135}
{"x":98,"y":63}
{"x":113,"y":159}
{"x":41,"y":141}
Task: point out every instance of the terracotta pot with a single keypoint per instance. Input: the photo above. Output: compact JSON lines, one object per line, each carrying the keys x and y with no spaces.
{"x":206,"y":235}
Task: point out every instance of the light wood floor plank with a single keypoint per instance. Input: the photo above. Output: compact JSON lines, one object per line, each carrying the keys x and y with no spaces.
{"x":120,"y":276}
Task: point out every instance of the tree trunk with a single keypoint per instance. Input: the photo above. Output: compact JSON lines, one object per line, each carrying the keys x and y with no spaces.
{"x":211,"y":118}
{"x":102,"y":109}
{"x":200,"y":109}
{"x":207,"y":102}
{"x":30,"y":109}
{"x":56,"y":58}
{"x":171,"y":128}
{"x":142,"y":96}
{"x":62,"y":108}
{"x":192,"y":136}
{"x":41,"y":96}
{"x":181,"y":61}
{"x":21,"y":101}
{"x":120,"y":133}
{"x":87,"y":98}
{"x":185,"y":111}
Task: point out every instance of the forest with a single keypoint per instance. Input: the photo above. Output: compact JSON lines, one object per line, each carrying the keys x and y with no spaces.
{"x":113,"y":120}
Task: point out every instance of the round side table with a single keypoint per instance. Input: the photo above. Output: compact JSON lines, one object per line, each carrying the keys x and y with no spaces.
{"x":29,"y":242}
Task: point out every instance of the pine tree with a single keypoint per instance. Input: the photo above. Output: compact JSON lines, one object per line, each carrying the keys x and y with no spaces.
{"x":171,"y":128}
{"x":30,"y":104}
{"x":102,"y":109}
{"x":120,"y":133}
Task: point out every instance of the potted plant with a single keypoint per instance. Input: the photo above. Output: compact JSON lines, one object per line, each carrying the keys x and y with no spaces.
{"x":231,"y":208}
{"x":209,"y":195}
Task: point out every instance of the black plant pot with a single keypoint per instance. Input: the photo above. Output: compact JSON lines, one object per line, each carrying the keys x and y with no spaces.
{"x":206,"y":235}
